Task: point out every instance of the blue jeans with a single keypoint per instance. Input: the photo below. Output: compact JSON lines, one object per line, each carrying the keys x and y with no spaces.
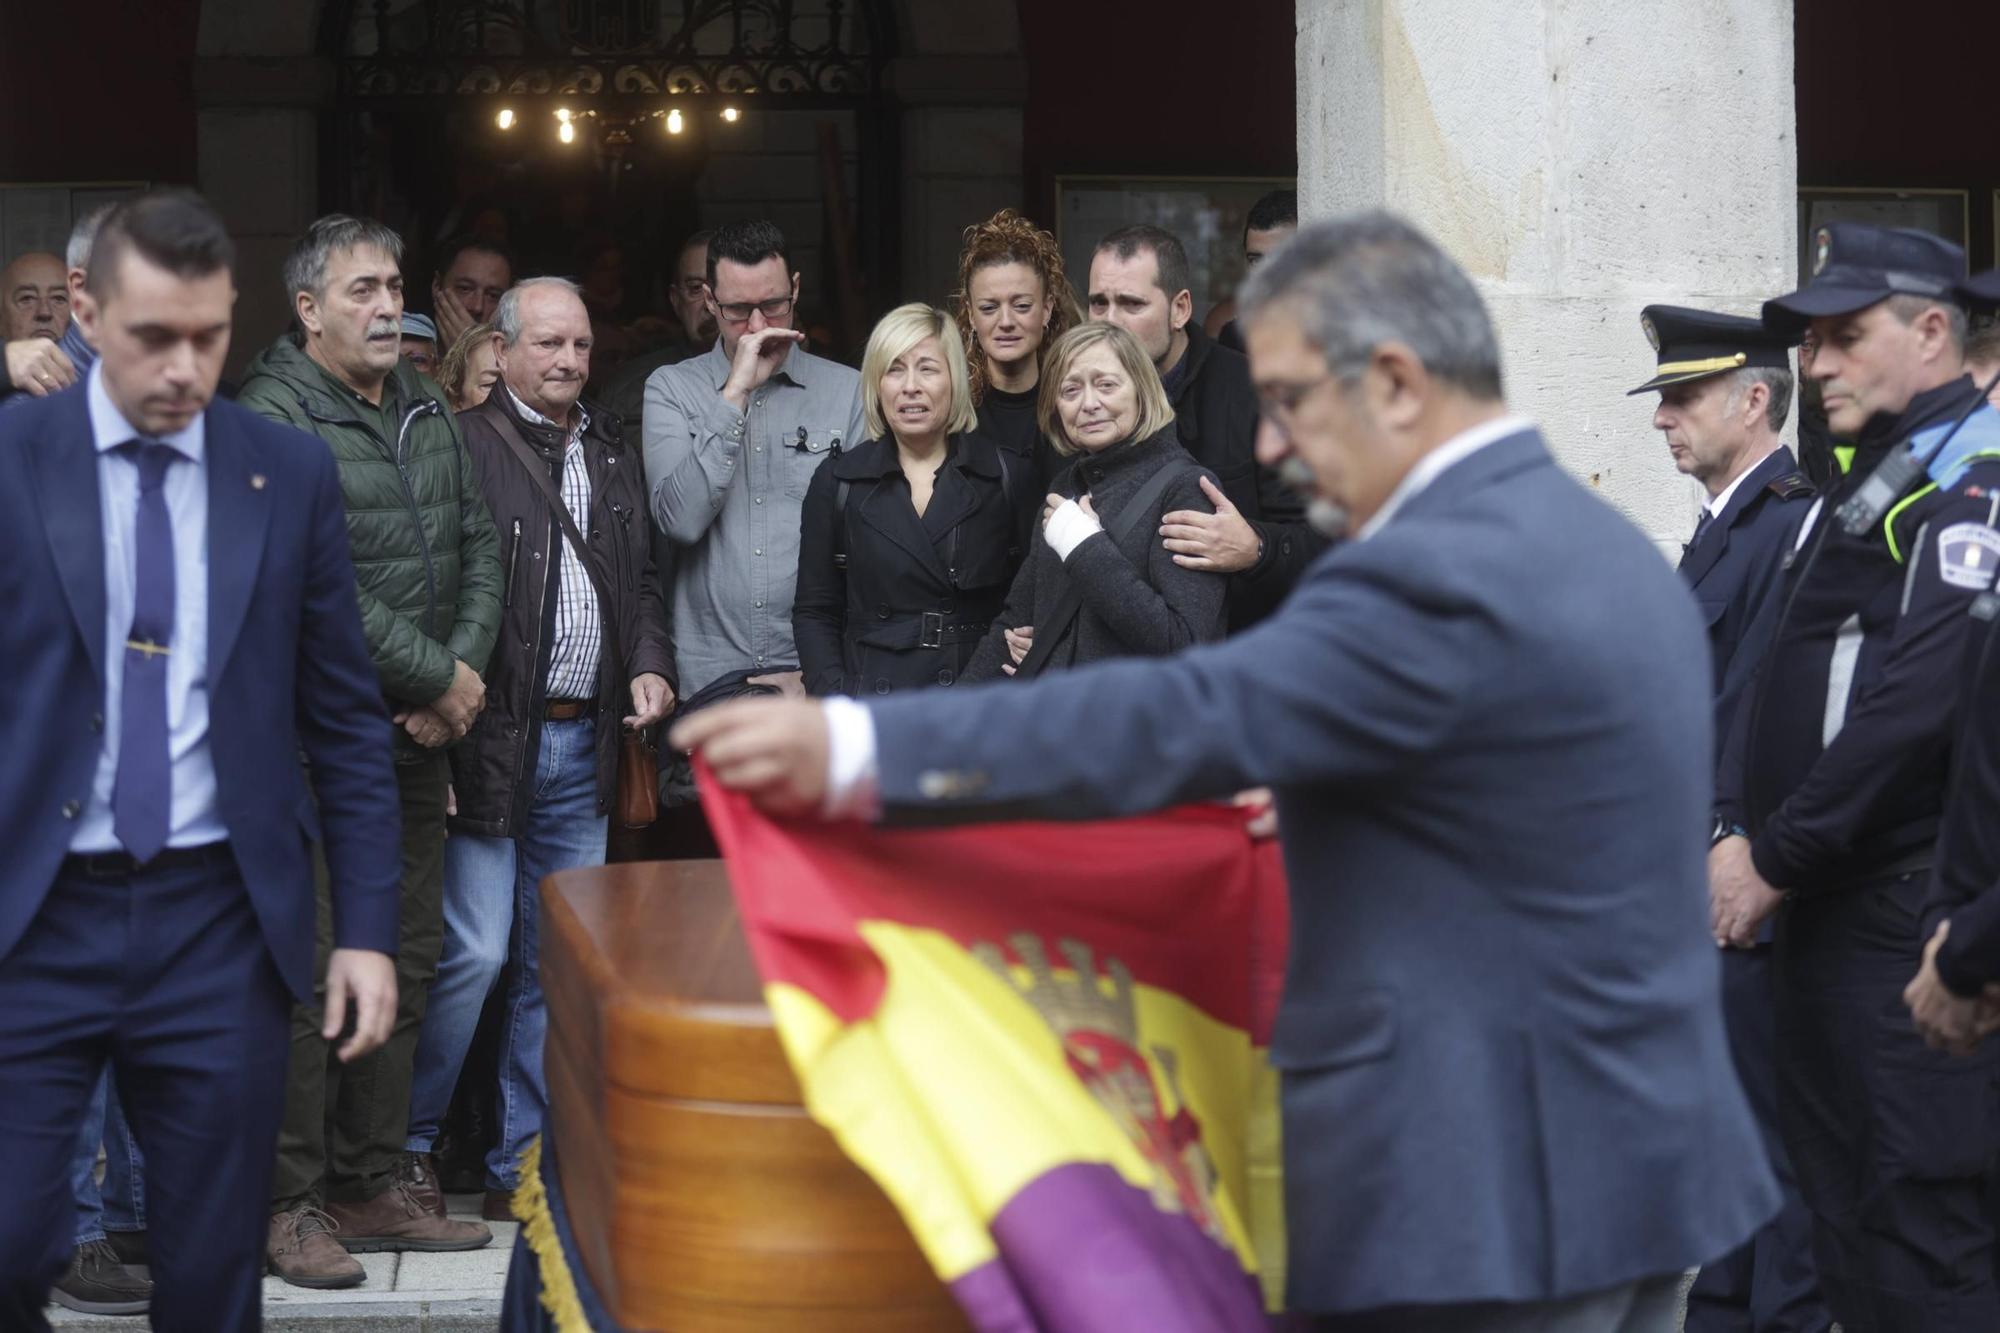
{"x":121,"y":1204}
{"x":491,"y":910}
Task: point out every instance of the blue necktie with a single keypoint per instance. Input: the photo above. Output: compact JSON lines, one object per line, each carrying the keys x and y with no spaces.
{"x":142,"y":794}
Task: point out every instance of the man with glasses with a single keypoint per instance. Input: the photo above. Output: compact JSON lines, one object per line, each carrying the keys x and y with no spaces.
{"x":732,"y":438}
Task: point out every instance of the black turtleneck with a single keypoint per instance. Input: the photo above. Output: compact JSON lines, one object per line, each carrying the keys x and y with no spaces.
{"x":1867,"y":648}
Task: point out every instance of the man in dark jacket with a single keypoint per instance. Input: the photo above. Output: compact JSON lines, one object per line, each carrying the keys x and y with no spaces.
{"x":1831,"y":792}
{"x":1140,"y":281}
{"x":1725,"y":386}
{"x":428,"y":569}
{"x":539,"y":771}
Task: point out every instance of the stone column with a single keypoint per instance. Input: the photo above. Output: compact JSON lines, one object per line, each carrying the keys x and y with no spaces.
{"x":1581,"y":158}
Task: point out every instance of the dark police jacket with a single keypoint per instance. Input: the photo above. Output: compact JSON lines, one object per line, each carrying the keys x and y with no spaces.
{"x":1505,"y":1074}
{"x":1965,"y":888}
{"x":1837,"y":757}
{"x":1734,"y":569}
{"x":916,"y":594}
{"x":1215,"y":416}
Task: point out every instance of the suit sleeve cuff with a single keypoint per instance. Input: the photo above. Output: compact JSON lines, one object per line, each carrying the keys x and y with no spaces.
{"x":1068,"y":528}
{"x":852,"y":784}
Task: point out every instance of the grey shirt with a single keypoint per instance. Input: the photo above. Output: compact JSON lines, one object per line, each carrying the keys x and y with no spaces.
{"x":727,"y":488}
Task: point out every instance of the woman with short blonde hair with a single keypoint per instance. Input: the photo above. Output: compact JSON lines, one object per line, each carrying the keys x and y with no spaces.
{"x":470,"y":368}
{"x":907,"y":540}
{"x":1098,"y":582}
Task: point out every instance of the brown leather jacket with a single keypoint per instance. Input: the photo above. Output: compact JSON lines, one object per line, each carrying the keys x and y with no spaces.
{"x":493,"y":767}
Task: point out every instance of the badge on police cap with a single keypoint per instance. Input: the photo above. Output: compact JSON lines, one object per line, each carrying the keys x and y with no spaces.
{"x":1969,"y":555}
{"x":1652,"y":334}
{"x":1822,"y":249}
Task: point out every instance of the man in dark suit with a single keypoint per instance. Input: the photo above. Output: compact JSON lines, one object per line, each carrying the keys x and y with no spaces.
{"x":1725,"y":388}
{"x":1508,"y":1099}
{"x":181,"y":626}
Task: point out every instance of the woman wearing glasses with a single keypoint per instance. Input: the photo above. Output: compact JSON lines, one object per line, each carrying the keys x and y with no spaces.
{"x":907,"y":539}
{"x":1097,"y":582}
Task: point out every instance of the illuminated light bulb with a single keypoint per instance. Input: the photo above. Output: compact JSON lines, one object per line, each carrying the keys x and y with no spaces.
{"x":566,"y":132}
{"x":731,"y":114}
{"x":562,"y":114}
{"x":505,"y":120}
{"x":674,"y":121}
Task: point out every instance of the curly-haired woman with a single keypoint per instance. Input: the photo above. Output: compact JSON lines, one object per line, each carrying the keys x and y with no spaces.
{"x":1014,"y":300}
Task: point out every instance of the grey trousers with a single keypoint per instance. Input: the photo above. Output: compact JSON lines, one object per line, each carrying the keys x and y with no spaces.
{"x":1647,"y":1306}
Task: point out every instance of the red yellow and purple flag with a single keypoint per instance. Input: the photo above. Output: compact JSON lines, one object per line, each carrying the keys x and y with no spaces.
{"x":1046,"y":1043}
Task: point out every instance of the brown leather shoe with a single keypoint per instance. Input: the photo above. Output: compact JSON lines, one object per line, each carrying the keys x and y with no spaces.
{"x":418,"y":1173}
{"x":499,"y":1206}
{"x":97,"y":1283}
{"x":396,"y":1220}
{"x":302,"y":1251}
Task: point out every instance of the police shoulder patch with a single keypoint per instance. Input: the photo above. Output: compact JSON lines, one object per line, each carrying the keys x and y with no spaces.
{"x":1790,"y":486}
{"x":1968,"y":555}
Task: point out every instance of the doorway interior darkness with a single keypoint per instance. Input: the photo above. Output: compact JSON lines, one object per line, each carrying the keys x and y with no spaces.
{"x":591,"y":135}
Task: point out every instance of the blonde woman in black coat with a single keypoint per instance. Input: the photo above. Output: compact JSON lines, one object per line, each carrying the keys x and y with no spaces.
{"x":1097,"y":582}
{"x":907,"y":540}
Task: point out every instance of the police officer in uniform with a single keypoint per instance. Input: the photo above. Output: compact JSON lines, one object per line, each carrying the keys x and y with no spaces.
{"x":1831,"y":791}
{"x":1955,"y":997}
{"x":1725,"y":386}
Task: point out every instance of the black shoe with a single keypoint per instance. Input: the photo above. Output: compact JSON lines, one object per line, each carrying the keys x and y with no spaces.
{"x":131,"y":1247}
{"x":97,"y":1283}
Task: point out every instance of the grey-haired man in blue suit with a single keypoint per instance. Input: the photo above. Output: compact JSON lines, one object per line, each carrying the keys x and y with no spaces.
{"x":1508,"y":1099}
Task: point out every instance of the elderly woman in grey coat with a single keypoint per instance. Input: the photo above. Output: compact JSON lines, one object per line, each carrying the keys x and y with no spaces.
{"x":1098,"y":583}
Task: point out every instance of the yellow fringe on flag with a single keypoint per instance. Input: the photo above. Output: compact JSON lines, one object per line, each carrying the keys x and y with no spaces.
{"x":531,"y":1206}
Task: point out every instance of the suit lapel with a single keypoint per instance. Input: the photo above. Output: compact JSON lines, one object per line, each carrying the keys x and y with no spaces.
{"x":1702,"y":556}
{"x":65,"y":470}
{"x":239,"y":511}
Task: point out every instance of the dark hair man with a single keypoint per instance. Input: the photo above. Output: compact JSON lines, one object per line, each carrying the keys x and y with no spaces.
{"x":181,"y":629}
{"x":1832,"y":785}
{"x":1485,"y":717}
{"x":537,"y":775}
{"x":430,"y":587}
{"x":472,"y":273}
{"x":732,"y":438}
{"x":689,"y":297}
{"x":1725,"y":387}
{"x":1139,"y":280}
{"x":623,"y":391}
{"x":1269,"y":224}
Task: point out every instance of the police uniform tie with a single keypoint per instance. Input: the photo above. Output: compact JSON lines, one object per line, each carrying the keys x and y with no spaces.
{"x":142,"y":792}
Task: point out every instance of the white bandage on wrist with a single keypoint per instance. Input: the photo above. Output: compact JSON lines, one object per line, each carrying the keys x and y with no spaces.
{"x":1068,"y":527}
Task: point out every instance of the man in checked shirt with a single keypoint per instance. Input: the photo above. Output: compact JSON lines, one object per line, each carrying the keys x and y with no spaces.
{"x":733,"y":437}
{"x":581,"y":651}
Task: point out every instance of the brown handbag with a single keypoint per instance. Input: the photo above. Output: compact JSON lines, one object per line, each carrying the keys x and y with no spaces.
{"x":638,"y":762}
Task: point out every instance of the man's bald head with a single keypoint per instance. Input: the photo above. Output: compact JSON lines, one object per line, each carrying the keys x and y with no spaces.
{"x":36,"y":289}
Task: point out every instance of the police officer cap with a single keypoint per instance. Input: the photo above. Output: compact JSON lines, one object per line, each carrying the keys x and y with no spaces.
{"x":1854,"y":266}
{"x":1981,"y":292}
{"x":1695,"y":343}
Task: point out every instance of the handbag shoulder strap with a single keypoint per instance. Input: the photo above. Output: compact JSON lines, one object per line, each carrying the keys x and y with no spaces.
{"x":538,"y":472}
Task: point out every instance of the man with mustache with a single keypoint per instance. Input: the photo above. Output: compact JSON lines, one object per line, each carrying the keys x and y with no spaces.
{"x":428,"y":568}
{"x":583,"y":649}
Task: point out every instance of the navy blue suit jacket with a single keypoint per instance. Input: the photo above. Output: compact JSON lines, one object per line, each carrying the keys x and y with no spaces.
{"x":1735,"y":569}
{"x":1505,"y":1074}
{"x":288,"y":675}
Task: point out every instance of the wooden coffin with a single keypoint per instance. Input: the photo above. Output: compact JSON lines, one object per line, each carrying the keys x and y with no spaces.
{"x":703,"y":1198}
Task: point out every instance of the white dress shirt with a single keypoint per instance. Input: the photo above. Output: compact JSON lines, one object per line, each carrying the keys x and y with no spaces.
{"x":1432,"y":465}
{"x":192,"y":819}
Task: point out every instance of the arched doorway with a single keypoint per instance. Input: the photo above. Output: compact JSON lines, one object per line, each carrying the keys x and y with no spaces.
{"x":591,"y":135}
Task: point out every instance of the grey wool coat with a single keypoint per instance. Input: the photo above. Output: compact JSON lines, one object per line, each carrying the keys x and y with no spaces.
{"x":1135,"y":601}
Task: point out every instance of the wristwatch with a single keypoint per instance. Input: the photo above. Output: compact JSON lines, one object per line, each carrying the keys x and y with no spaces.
{"x":1725,"y":828}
